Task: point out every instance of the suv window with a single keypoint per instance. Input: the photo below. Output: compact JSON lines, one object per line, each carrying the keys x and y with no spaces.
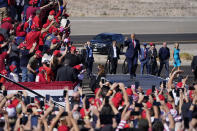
{"x":102,"y":37}
{"x":118,"y":38}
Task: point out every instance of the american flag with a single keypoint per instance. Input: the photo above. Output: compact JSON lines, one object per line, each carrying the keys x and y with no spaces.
{"x":54,"y":89}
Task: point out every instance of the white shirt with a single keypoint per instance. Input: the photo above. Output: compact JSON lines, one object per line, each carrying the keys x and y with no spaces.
{"x":14,"y":77}
{"x":115,"y":54}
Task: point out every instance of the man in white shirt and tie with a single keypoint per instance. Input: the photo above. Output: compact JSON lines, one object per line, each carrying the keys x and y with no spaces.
{"x":113,"y":56}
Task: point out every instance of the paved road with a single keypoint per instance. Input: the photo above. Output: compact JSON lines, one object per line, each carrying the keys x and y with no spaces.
{"x":139,"y":25}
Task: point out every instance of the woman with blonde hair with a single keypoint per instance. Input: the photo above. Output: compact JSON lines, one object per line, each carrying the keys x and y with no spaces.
{"x":176,"y":57}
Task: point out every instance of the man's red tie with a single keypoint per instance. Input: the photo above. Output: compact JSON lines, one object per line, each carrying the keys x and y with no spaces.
{"x":133,"y":44}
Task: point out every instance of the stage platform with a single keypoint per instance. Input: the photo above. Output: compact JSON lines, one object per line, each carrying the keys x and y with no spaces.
{"x":145,"y":81}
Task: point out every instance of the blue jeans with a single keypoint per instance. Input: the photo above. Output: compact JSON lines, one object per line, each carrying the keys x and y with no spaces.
{"x":142,"y":67}
{"x":31,"y":77}
{"x":24,"y":74}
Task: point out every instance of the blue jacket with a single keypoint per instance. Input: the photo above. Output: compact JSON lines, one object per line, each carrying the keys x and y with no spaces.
{"x":164,"y":53}
{"x":3,"y":3}
{"x":143,"y":57}
{"x":131,"y":51}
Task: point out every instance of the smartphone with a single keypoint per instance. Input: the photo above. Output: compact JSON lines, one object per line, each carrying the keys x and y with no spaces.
{"x":64,"y":93}
{"x":47,"y":97}
{"x":164,"y":84}
{"x":20,"y":92}
{"x":191,"y":88}
{"x":41,"y":103}
{"x":103,"y":80}
{"x":137,"y":83}
{"x":153,"y":88}
{"x":156,"y":103}
{"x":106,"y":99}
{"x":138,"y":105}
{"x":1,"y":85}
{"x":5,"y":93}
{"x":64,"y":114}
{"x":83,"y":95}
{"x":135,"y":113}
{"x":146,"y":98}
{"x":23,"y":120}
{"x":28,"y":100}
{"x":32,"y":99}
{"x":29,"y":110}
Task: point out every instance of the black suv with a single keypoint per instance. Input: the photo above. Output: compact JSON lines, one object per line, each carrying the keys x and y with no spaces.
{"x":102,"y":42}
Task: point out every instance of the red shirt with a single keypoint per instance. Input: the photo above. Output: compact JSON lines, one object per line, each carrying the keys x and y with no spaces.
{"x":20,"y":32}
{"x":41,"y":39}
{"x":48,"y":72}
{"x":2,"y":62}
{"x":41,"y":77}
{"x":31,"y":11}
{"x":32,"y":36}
{"x":37,"y":21}
{"x":6,"y":25}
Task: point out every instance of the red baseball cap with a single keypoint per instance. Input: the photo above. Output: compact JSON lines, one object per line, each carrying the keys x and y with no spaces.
{"x":66,"y":15}
{"x":161,"y":97}
{"x":4,"y":72}
{"x":78,"y":67}
{"x":39,"y":53}
{"x":73,"y":48}
{"x":33,"y":2}
{"x":169,"y":105}
{"x":34,"y":26}
{"x":22,"y":45}
{"x":45,"y":25}
{"x":12,"y":67}
{"x":9,"y":19}
{"x":91,"y":99}
{"x":129,"y":91}
{"x":55,"y":30}
{"x":149,"y":92}
{"x":149,"y":105}
{"x":63,"y":128}
{"x":179,"y":85}
{"x":54,"y":41}
{"x":56,"y":52}
{"x":52,"y":12}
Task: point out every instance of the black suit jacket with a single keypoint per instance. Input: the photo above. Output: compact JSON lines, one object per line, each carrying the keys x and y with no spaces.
{"x":194,"y":63}
{"x":66,"y":73}
{"x":131,"y":51}
{"x":111,"y":53}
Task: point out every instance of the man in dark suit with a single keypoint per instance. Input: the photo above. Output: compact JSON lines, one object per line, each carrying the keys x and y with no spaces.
{"x":132,"y":54}
{"x":66,"y":72}
{"x":194,"y":67}
{"x":143,"y":56}
{"x":89,"y":58}
{"x":113,"y":56}
{"x":164,"y":56}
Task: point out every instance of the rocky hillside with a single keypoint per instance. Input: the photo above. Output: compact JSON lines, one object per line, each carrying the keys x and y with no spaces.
{"x":132,"y":8}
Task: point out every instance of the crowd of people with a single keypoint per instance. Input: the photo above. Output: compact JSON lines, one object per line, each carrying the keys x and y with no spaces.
{"x":169,"y":107}
{"x":35,"y":42}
